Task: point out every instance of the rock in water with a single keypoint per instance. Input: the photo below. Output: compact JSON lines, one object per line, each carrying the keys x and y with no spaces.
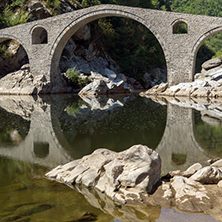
{"x":122,"y":176}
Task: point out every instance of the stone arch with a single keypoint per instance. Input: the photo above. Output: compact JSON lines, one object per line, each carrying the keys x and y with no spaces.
{"x":39,"y":35}
{"x":198,"y":44}
{"x":177,"y":23}
{"x":71,"y":28}
{"x":11,"y":37}
{"x":24,"y":51}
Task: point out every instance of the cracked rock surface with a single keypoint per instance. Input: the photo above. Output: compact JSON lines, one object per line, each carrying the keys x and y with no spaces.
{"x":122,"y":176}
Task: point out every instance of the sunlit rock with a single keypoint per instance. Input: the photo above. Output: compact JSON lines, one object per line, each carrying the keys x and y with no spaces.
{"x":208,"y":175}
{"x":189,"y":194}
{"x":122,"y":176}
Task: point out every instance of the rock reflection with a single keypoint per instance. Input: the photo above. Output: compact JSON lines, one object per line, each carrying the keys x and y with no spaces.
{"x":13,"y":128}
{"x":130,"y":212}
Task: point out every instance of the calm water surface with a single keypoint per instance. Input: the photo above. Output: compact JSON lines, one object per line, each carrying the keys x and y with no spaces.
{"x":37,"y":134}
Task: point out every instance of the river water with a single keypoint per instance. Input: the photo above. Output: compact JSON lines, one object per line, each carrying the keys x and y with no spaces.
{"x":37,"y":134}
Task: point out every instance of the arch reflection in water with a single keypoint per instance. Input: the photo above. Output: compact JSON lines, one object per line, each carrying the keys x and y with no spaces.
{"x":88,"y":125}
{"x":208,"y":130}
{"x":69,"y":128}
{"x":50,"y":116}
{"x":40,"y":146}
{"x":178,"y":148}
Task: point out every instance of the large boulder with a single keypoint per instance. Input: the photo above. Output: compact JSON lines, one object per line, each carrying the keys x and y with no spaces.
{"x":212,"y":63}
{"x":122,"y":176}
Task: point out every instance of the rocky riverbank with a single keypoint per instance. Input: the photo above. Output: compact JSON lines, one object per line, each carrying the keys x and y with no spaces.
{"x":134,"y":176}
{"x":206,"y":84}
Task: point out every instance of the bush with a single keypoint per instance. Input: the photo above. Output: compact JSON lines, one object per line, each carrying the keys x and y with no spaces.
{"x":73,"y":75}
{"x":4,"y":52}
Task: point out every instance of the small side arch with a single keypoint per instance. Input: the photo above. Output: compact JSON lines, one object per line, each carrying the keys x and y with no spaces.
{"x":39,"y":35}
{"x":179,"y":26}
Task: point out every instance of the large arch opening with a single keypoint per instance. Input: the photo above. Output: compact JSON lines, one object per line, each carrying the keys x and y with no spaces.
{"x":65,"y":38}
{"x":208,"y":46}
{"x":13,"y":56}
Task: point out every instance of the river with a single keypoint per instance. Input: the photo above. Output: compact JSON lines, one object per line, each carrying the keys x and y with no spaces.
{"x":39,"y":133}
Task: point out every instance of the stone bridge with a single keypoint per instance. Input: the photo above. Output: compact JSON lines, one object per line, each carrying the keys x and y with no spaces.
{"x":46,"y":145}
{"x":179,"y":49}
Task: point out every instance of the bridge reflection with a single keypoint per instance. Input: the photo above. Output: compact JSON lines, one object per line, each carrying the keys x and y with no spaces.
{"x":46,"y":145}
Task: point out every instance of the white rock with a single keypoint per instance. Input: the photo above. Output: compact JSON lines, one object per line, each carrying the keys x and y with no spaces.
{"x":189,"y":194}
{"x":122,"y":176}
{"x":192,"y":169}
{"x":208,"y":175}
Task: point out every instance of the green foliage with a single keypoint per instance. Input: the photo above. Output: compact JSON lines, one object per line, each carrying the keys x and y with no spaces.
{"x":73,"y":75}
{"x":179,"y":158}
{"x":88,"y":3}
{"x":198,"y":7}
{"x":13,"y":14}
{"x":3,"y":51}
{"x":208,"y":136}
{"x":106,"y":27}
{"x":134,"y":47}
{"x":54,"y":5}
{"x":74,"y":108}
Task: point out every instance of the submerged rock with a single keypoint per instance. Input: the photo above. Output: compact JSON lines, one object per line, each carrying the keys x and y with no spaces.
{"x":122,"y":176}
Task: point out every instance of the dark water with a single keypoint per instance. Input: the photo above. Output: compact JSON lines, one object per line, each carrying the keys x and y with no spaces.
{"x":39,"y":134}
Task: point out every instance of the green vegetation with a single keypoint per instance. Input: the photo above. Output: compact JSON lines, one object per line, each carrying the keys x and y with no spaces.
{"x":73,"y":75}
{"x":13,"y":13}
{"x":3,"y":51}
{"x":179,"y":159}
{"x":54,"y":5}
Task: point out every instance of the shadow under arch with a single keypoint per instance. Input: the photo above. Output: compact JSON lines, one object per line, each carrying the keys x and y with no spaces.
{"x":198,"y":44}
{"x":18,"y":64}
{"x":74,"y":26}
{"x":11,"y":37}
{"x":39,"y":35}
